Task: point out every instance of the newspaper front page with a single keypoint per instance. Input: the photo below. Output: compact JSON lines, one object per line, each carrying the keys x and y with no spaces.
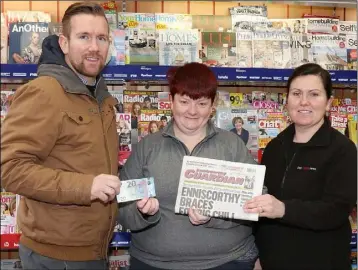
{"x":218,"y":188}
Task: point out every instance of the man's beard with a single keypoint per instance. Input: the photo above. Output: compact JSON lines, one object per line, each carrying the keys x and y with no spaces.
{"x":81,"y":68}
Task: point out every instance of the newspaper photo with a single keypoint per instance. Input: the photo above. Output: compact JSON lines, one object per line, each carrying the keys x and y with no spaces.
{"x":218,"y":188}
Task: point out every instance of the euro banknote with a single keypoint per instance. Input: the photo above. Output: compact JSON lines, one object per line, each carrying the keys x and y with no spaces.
{"x":136,"y":189}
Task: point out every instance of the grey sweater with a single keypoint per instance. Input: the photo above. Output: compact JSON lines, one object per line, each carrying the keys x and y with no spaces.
{"x":169,"y":240}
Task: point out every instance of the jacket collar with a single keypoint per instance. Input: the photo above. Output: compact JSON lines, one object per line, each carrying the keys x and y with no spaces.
{"x":52,"y":63}
{"x":321,"y":138}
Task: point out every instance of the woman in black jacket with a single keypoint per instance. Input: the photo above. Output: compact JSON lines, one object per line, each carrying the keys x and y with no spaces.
{"x":311,"y":176}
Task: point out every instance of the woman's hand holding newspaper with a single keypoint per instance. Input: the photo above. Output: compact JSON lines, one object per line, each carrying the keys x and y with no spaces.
{"x":266,"y":205}
{"x":196,"y":218}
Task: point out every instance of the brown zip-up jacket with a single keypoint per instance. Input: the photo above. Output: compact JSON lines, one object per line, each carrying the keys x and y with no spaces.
{"x":55,"y":139}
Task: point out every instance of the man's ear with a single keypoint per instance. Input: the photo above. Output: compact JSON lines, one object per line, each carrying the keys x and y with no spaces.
{"x":63,"y":42}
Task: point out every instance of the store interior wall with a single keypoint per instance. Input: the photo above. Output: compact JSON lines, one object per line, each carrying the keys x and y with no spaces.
{"x":57,"y":8}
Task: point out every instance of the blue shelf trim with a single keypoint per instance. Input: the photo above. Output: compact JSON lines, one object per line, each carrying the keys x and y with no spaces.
{"x":120,"y":239}
{"x":354,"y":240}
{"x":158,"y":73}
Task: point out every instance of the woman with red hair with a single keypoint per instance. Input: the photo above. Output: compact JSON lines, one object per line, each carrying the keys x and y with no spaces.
{"x":162,"y":239}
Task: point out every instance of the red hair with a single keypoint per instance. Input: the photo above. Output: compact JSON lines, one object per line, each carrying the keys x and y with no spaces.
{"x":194,"y":80}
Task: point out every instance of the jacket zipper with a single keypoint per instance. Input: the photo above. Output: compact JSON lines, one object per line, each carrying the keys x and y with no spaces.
{"x":286,"y":171}
{"x":110,"y":172}
{"x":106,"y":244}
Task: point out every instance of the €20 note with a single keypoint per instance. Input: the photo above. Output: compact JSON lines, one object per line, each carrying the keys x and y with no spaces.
{"x":136,"y":189}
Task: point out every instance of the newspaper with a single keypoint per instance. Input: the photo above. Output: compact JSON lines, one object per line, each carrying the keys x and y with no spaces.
{"x":218,"y":188}
{"x":248,"y":18}
{"x":244,"y":49}
{"x":271,"y":50}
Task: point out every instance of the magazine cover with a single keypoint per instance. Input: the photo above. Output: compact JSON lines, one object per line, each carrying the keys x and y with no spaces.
{"x":223,"y":99}
{"x":294,"y":26}
{"x":165,"y":21}
{"x":348,"y":28}
{"x":236,"y":100}
{"x":270,"y":125}
{"x":152,"y":121}
{"x":178,"y":47}
{"x":54,"y":28}
{"x":351,"y":46}
{"x":136,"y":101}
{"x":164,"y":101}
{"x":123,"y":123}
{"x":271,"y":50}
{"x":270,"y":102}
{"x":25,"y":41}
{"x":27,"y":16}
{"x":145,"y":99}
{"x":118,"y":95}
{"x":4,"y":45}
{"x":2,"y":117}
{"x":2,"y":19}
{"x":119,"y":48}
{"x":218,"y":188}
{"x":244,"y":49}
{"x":219,"y":49}
{"x":322,"y":25}
{"x":141,"y":34}
{"x":119,"y":262}
{"x":8,"y":213}
{"x":352,"y":127}
{"x":111,"y":16}
{"x":6,"y":98}
{"x":300,"y":50}
{"x":338,"y":106}
{"x":329,"y":51}
{"x":242,"y":122}
{"x":339,"y":121}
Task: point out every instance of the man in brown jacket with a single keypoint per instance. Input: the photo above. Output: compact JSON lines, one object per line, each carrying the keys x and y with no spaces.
{"x":59,"y":149}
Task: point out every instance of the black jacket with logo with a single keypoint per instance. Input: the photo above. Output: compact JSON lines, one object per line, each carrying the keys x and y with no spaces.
{"x":318,"y":184}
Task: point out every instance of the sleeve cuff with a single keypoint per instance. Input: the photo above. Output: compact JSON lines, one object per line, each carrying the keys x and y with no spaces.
{"x":84,"y":191}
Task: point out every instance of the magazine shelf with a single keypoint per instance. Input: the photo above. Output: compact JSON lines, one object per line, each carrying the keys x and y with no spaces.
{"x":158,"y":73}
{"x":11,"y":241}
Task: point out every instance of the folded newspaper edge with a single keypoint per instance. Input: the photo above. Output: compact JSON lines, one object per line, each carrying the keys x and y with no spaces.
{"x":218,"y":188}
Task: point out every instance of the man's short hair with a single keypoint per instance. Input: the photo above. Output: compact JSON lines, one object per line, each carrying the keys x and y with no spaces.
{"x":163,"y":117}
{"x":80,"y":8}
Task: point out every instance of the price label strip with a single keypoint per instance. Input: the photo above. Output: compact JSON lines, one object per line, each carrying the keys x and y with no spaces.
{"x":136,"y":189}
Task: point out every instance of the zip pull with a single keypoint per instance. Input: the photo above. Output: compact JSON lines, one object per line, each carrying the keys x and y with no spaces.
{"x":286,"y":171}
